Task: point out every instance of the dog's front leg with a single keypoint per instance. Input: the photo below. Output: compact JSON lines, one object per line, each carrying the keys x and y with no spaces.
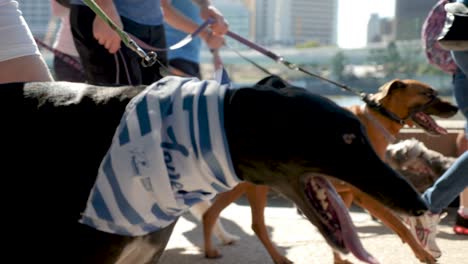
{"x":258,"y":195}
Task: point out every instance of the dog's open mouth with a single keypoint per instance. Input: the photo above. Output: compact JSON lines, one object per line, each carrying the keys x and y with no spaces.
{"x":336,"y":223}
{"x":427,"y":123}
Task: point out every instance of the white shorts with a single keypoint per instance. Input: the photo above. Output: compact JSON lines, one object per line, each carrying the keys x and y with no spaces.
{"x":16,"y":39}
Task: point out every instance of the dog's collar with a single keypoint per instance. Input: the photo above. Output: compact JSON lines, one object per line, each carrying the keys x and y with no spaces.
{"x":388,"y":136}
{"x":382,"y":110}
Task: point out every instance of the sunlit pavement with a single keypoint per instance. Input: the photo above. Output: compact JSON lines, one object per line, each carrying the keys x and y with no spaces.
{"x":299,"y":240}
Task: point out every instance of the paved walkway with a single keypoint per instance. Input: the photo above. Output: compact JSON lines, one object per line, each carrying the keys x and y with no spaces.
{"x":299,"y":240}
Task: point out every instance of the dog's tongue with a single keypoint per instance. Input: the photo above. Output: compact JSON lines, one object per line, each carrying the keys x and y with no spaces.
{"x":349,"y":234}
{"x":426,"y":122}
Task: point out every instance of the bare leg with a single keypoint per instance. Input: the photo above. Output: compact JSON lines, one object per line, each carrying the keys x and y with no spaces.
{"x":464,"y":198}
{"x":462,"y":146}
{"x":30,"y":68}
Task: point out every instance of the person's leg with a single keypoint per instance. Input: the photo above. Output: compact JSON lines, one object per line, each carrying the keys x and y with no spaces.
{"x":30,"y":68}
{"x":460,"y":91}
{"x":461,"y":222}
{"x":64,"y":71}
{"x":101,"y":67}
{"x":154,"y":36}
{"x":448,"y":186}
{"x":438,"y":197}
{"x":461,"y":59}
{"x":460,"y":84}
{"x":20,"y":60}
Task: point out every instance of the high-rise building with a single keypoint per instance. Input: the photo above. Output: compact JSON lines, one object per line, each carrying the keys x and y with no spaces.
{"x":380,"y":29}
{"x":292,"y":22}
{"x":410,"y":16}
{"x":273,"y":22}
{"x":315,"y":20}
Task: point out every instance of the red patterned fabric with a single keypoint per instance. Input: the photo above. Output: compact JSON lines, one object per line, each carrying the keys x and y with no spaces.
{"x":430,"y":32}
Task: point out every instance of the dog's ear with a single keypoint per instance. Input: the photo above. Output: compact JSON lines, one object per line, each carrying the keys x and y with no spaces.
{"x":273,"y":81}
{"x":389,"y":87}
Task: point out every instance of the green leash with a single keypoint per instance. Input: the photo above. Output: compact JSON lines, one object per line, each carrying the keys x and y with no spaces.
{"x":148,"y":59}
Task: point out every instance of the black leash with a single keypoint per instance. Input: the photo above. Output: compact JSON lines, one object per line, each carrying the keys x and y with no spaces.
{"x":364,"y":96}
{"x":249,"y":60}
{"x":76,"y":64}
{"x":290,"y":65}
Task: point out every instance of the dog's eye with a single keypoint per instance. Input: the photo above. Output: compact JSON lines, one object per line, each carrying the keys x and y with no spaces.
{"x":430,"y":94}
{"x":349,"y":138}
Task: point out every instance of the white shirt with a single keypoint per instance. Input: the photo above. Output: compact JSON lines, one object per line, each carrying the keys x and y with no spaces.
{"x":16,"y":39}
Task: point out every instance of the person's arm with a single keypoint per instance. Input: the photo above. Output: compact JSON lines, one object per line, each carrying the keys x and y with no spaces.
{"x":57,"y":9}
{"x":102,"y":32}
{"x":179,"y":21}
{"x":207,"y":10}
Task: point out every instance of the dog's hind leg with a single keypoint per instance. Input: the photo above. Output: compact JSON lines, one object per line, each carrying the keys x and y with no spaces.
{"x":258,"y":195}
{"x":211,"y":215}
{"x":220,"y":233}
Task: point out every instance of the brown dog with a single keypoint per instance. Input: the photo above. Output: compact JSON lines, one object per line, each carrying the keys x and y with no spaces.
{"x":397,"y":103}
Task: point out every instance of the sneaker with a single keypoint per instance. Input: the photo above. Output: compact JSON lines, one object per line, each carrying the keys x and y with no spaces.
{"x":461,"y":225}
{"x":424,"y":228}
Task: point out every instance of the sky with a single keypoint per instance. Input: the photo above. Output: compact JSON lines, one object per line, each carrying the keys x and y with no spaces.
{"x":353,"y":16}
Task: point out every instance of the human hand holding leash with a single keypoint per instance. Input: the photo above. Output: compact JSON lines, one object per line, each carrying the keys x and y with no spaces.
{"x":220,"y":25}
{"x":103,"y":33}
{"x":213,"y":41}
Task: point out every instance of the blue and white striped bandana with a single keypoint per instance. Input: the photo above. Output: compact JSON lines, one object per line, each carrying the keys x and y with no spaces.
{"x":168,"y":153}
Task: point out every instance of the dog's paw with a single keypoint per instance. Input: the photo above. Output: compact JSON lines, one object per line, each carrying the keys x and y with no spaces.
{"x":426,"y":257}
{"x":213,"y":254}
{"x":229,"y":239}
{"x":282,"y":260}
{"x":338,"y":260}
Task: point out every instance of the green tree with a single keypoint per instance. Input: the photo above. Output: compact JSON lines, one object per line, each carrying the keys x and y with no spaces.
{"x":338,"y":65}
{"x":388,"y":61}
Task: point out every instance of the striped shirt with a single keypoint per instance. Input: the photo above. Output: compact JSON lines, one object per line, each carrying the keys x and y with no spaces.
{"x":168,"y":153}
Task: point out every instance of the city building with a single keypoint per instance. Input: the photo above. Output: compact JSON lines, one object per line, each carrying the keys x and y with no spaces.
{"x":380,"y":30}
{"x":410,"y":16}
{"x":315,"y":20}
{"x":292,"y":22}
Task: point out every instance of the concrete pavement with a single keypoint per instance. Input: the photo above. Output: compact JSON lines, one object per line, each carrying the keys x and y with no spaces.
{"x":299,"y":240}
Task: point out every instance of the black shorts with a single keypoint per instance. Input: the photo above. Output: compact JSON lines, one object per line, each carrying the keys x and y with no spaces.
{"x":187,"y":67}
{"x":123,"y":67}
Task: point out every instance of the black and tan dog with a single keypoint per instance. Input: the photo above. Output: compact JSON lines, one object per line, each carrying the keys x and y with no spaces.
{"x":55,"y":136}
{"x":397,"y":103}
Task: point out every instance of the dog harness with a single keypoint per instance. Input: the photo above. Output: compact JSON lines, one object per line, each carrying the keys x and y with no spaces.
{"x":168,"y":153}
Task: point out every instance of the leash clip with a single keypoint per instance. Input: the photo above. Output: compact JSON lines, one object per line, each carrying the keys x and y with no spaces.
{"x":150,"y":59}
